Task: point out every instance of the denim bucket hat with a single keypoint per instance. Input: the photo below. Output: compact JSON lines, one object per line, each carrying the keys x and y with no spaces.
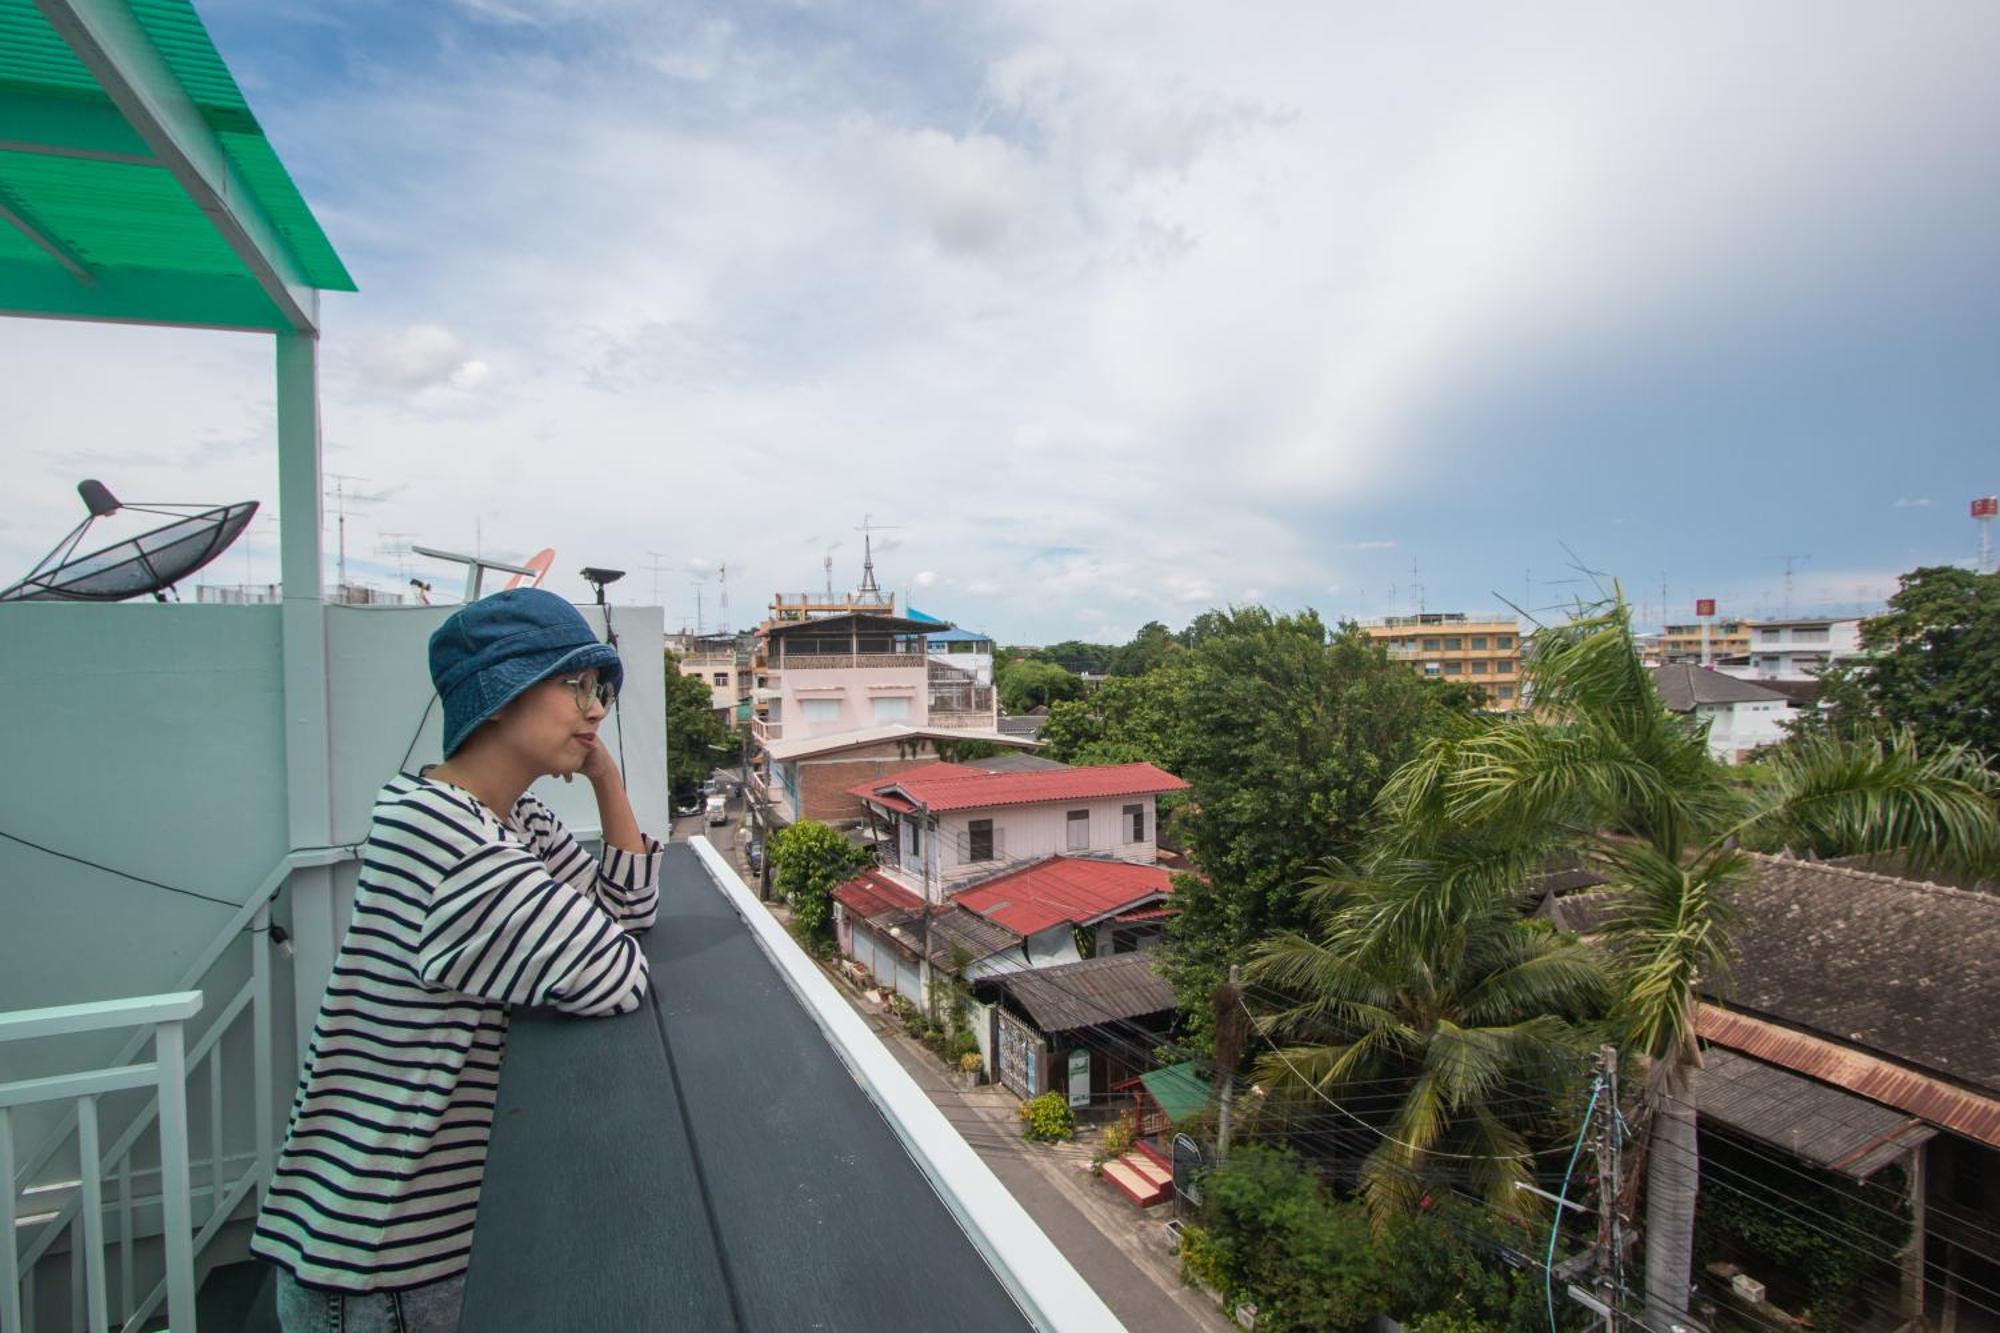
{"x":493,"y":649}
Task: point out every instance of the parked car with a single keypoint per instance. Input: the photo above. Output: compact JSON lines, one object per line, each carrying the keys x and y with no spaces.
{"x":691,"y":806}
{"x":754,"y":858}
{"x":718,"y":810}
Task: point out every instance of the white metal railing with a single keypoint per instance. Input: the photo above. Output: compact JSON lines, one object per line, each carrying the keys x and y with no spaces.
{"x":82,"y":1215}
{"x":161,"y":1016}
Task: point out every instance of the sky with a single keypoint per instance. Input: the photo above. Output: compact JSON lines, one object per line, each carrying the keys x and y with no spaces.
{"x":1102,"y":313}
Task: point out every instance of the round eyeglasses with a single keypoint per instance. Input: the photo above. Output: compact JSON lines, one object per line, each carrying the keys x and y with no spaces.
{"x":588,"y":687}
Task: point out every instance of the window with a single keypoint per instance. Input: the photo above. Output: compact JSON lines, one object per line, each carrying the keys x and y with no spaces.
{"x":1503,"y":641}
{"x":1430,"y":645}
{"x":1479,"y":666}
{"x":1135,"y":823}
{"x":819,"y":710}
{"x":916,"y":837}
{"x":722,"y":678}
{"x":1453,"y":645}
{"x":1506,"y":692}
{"x":1503,"y":667}
{"x":1079,"y":831}
{"x":979,"y":840}
{"x":1479,"y":643}
{"x":1452,"y":668}
{"x":891,"y":710}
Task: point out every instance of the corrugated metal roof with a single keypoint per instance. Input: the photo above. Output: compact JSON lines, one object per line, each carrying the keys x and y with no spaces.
{"x":945,"y":787}
{"x":96,"y":190}
{"x":1089,"y":993}
{"x":1807,"y":1119}
{"x":871,"y":893}
{"x":1929,"y":1099}
{"x":1073,"y":889}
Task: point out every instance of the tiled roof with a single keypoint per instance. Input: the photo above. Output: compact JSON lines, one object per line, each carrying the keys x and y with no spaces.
{"x":1682,"y":686}
{"x":1898,"y":966}
{"x":1095,"y":991}
{"x":1905,"y":968}
{"x":871,"y":893}
{"x":942,"y":787}
{"x":1072,"y":889}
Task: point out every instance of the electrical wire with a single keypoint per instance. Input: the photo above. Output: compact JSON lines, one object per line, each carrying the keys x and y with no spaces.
{"x":1555,"y":1223}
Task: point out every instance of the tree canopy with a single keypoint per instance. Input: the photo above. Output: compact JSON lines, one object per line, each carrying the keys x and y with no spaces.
{"x":1933,"y":664}
{"x":809,"y":860}
{"x":1029,"y":684}
{"x":698,"y":741}
{"x":1286,"y":733}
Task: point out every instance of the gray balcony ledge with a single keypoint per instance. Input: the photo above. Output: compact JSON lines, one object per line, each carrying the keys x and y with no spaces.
{"x":742,"y":1153}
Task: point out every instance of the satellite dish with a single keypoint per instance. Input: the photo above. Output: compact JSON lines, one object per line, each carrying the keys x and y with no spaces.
{"x":539,"y":562}
{"x":151,"y":562}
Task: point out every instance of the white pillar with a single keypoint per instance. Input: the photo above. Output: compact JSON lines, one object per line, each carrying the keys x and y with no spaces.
{"x":308,"y":758}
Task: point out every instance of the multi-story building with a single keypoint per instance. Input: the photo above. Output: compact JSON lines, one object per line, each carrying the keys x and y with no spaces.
{"x":719,"y":661}
{"x":1726,"y":638}
{"x":851,"y":696}
{"x":1797,"y":649}
{"x":1449,"y":645}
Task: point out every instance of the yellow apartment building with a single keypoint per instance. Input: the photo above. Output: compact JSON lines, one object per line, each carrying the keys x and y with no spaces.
{"x":1726,"y":638}
{"x":1450,"y":645}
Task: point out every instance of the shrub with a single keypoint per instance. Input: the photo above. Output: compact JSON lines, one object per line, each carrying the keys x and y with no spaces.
{"x":808,"y":861}
{"x":1119,"y":1135}
{"x":1201,"y":1261}
{"x":970,"y":1062}
{"x":963,"y":1043}
{"x":1048,"y":1118}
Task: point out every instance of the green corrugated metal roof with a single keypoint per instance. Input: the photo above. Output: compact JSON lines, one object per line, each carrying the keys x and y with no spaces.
{"x":1180,"y":1090}
{"x":124,"y":218}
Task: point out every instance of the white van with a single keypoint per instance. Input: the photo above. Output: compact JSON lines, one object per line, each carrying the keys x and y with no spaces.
{"x":718,"y":810}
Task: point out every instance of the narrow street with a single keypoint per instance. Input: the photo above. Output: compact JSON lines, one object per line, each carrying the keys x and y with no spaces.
{"x":1120,"y":1251}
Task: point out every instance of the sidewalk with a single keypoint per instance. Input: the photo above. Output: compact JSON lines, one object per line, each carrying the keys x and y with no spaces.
{"x":1120,"y":1250}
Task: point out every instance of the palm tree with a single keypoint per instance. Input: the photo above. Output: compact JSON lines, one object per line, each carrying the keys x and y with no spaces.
{"x":1457,"y":1027}
{"x":1599,"y":770}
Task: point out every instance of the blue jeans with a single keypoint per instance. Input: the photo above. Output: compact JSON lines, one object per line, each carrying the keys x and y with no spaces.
{"x":432,"y":1308}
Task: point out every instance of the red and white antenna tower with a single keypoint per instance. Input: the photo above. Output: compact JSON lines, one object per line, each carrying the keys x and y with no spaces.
{"x":1984,"y":508}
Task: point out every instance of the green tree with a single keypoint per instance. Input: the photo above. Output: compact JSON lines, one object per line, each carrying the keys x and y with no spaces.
{"x":808,"y":861}
{"x":1075,"y":655}
{"x":1286,"y":734}
{"x":1455,"y":1025}
{"x":1932,"y":664}
{"x":1031,"y":684}
{"x":698,"y":740}
{"x":1601,"y":771}
{"x":1150,"y":649}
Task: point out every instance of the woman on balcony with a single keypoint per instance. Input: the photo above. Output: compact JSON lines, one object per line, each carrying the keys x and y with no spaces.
{"x":472,"y":898}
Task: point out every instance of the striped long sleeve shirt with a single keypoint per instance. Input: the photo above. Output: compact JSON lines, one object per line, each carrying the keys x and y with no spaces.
{"x":457,"y":915}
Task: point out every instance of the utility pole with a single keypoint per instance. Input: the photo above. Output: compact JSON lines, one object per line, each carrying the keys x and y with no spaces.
{"x":1609,"y":1237}
{"x":1226,"y":1071}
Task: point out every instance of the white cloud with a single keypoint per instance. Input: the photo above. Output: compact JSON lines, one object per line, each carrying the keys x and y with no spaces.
{"x":1150,"y":285}
{"x":1916,"y":502}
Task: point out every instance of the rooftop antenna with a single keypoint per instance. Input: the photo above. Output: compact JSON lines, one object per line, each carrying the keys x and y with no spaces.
{"x":398,"y":545}
{"x":869,"y":593}
{"x":722,"y":597}
{"x":1789,"y":561}
{"x":699,"y":629}
{"x":1983,"y":511}
{"x":340,"y":499}
{"x":1416,"y":586}
{"x":654,"y":568}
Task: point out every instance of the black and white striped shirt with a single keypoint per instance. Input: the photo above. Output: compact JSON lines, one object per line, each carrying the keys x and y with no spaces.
{"x":456,"y":916}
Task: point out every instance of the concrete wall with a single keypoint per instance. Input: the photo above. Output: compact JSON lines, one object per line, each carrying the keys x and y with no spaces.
{"x":850,"y":688}
{"x":1031,"y":832}
{"x":1734,"y":730}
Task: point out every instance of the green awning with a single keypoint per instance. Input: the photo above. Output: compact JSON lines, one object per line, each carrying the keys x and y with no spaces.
{"x":1180,"y":1090}
{"x":136,"y":184}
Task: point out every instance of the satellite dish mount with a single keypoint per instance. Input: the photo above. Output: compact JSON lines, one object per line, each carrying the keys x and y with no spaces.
{"x":152,"y":562}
